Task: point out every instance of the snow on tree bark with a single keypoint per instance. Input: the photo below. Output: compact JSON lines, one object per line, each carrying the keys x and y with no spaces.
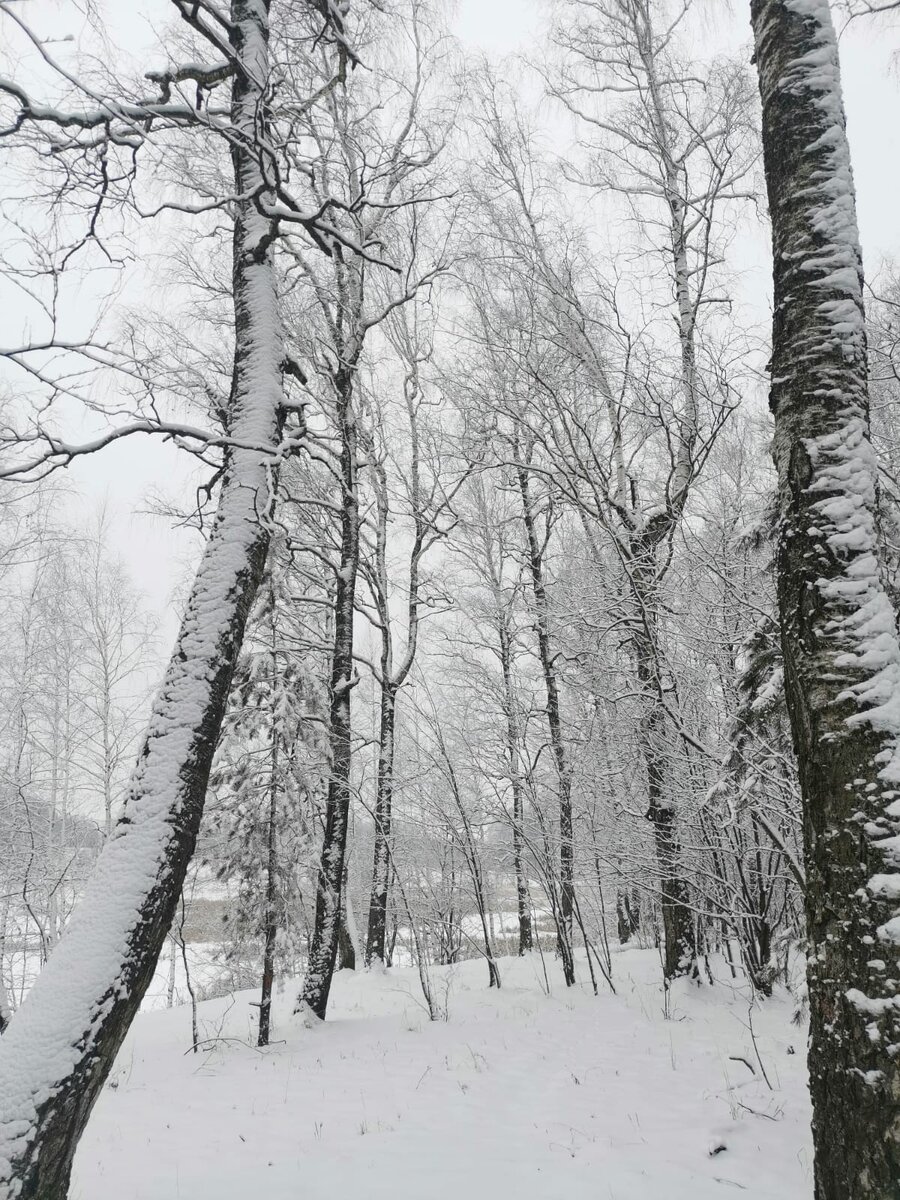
{"x":841,"y":654}
{"x":58,"y":1051}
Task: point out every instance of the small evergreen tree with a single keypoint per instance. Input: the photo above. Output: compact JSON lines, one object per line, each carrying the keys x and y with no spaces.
{"x":267,"y":787}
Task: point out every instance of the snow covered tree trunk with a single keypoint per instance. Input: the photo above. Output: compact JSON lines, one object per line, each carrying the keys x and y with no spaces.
{"x":841,"y":655}
{"x":323,"y":951}
{"x":61,"y":1045}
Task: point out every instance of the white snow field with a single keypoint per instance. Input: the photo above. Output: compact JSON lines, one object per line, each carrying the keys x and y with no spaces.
{"x":517,"y":1094}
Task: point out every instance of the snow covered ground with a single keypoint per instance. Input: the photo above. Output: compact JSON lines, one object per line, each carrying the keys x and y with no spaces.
{"x":518,"y":1094}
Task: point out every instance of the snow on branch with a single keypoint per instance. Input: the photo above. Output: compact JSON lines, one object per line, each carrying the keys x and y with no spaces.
{"x":55,"y":452}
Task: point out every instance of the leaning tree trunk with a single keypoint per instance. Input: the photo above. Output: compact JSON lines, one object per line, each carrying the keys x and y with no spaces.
{"x":60,"y":1047}
{"x":326,"y":932}
{"x":841,"y":654}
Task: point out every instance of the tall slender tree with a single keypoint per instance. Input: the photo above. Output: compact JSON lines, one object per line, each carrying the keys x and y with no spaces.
{"x":411,"y":490}
{"x":379,"y":145}
{"x":673,"y":138}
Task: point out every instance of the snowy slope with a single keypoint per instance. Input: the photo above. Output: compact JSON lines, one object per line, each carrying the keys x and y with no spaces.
{"x":518,"y":1094}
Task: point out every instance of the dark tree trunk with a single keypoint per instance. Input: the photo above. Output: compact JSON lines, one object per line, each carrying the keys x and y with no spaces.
{"x":323,"y":950}
{"x":346,"y":949}
{"x":679,"y":950}
{"x":392,"y":939}
{"x":270,"y":934}
{"x":535,"y":558}
{"x":381,"y":870}
{"x":627,"y":917}
{"x":523,"y":900}
{"x":678,"y":947}
{"x":842,"y":661}
{"x":392,"y":680}
{"x":346,"y":945}
{"x":270,"y":924}
{"x":58,"y":1051}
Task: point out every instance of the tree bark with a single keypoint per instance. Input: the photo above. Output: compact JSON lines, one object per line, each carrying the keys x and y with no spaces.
{"x":324,"y":947}
{"x":347,"y":934}
{"x":554,"y":720}
{"x":841,"y":656}
{"x":523,"y":900}
{"x":58,"y":1051}
{"x":381,"y":870}
{"x":678,"y":946}
{"x":346,"y":949}
{"x":391,"y":680}
{"x":270,"y":920}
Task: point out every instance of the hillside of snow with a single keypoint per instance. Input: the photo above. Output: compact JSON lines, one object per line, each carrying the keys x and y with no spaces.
{"x":517,"y":1094}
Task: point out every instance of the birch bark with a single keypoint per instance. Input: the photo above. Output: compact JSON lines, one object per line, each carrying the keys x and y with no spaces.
{"x":59,"y":1050}
{"x":841,"y":654}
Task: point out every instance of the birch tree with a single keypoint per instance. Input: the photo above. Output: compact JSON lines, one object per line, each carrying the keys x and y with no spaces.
{"x":57,"y":1053}
{"x":838,"y":633}
{"x":677,"y":148}
{"x":378,"y":147}
{"x":489,"y":545}
{"x":414,"y":491}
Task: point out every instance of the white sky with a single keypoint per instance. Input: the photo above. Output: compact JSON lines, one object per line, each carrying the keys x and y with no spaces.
{"x":126,"y":474}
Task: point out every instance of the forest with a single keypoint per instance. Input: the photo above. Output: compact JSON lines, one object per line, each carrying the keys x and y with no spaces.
{"x":449,"y":654}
